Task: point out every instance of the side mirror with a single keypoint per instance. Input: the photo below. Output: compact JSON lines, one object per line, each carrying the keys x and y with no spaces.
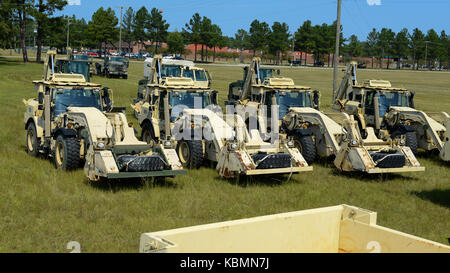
{"x":41,"y":101}
{"x":208,"y":76}
{"x":411,"y":99}
{"x":316,"y":101}
{"x":214,"y":97}
{"x":107,"y":102}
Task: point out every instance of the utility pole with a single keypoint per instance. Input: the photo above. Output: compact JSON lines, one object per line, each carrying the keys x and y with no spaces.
{"x":426,"y":51}
{"x":68,"y":29}
{"x":336,"y":51}
{"x":293,"y":52}
{"x":120,"y":29}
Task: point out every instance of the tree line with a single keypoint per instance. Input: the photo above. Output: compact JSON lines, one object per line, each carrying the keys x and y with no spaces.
{"x":22,"y":19}
{"x":429,"y":47}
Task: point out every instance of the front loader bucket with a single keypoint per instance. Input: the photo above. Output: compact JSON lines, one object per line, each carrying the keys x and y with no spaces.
{"x":336,"y":229}
{"x":235,"y":162}
{"x":389,"y":161}
{"x":108,"y":165}
{"x":372,"y":155}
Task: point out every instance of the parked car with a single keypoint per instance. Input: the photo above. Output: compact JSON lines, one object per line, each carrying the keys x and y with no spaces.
{"x":93,"y":54}
{"x":297,"y":62}
{"x":362,"y":65}
{"x":320,"y":63}
{"x":130,"y":56}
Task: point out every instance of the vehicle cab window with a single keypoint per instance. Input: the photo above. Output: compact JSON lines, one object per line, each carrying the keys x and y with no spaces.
{"x":64,"y":98}
{"x":285,"y":100}
{"x":368,"y":105}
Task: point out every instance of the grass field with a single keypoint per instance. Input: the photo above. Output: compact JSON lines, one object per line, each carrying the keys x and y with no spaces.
{"x":42,"y":209}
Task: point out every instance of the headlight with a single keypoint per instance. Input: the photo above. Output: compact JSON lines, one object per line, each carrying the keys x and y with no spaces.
{"x":402,"y":141}
{"x":290,"y":143}
{"x":101,"y":145}
{"x":354,"y":142}
{"x":167,"y":144}
{"x":234,"y":146}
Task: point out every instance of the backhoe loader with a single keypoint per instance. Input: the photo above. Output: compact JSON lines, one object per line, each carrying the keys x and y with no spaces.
{"x":172,"y":68}
{"x":295,"y":109}
{"x":178,"y":109}
{"x":75,"y":123}
{"x":390,"y":112}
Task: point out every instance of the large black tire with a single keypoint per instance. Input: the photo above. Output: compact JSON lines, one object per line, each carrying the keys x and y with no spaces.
{"x":67,"y":153}
{"x":306,"y":146}
{"x":411,"y":141}
{"x":125,"y":76}
{"x":32,"y":140}
{"x":190,"y":153}
{"x":148,"y":133}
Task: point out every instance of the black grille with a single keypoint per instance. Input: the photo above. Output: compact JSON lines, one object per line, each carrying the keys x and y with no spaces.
{"x":271,"y":161}
{"x":133,"y":163}
{"x":389,"y":159}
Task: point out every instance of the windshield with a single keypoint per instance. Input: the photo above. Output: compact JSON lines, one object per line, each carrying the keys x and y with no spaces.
{"x":195,"y":75}
{"x":170,"y":71}
{"x":181,"y":100}
{"x":200,"y":75}
{"x":292,"y":99}
{"x":81,"y":57}
{"x":189,"y":98}
{"x":387,"y":99}
{"x":78,"y":68}
{"x":189,"y":74}
{"x":265,"y":73}
{"x":64,"y":98}
{"x":116,"y":59}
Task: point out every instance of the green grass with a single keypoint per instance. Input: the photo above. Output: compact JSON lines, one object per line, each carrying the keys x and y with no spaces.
{"x":42,"y":209}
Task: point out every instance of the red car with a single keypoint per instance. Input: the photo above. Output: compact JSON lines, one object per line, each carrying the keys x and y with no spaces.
{"x":93,"y":54}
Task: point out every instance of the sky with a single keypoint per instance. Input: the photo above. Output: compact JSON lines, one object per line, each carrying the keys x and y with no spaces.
{"x":358,"y":16}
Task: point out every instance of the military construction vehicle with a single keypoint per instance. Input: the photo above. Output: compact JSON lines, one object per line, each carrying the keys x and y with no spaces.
{"x":113,"y":66}
{"x":173,"y":68}
{"x":336,"y":229}
{"x":390,"y":111}
{"x":278,"y":102}
{"x":77,"y":64}
{"x":74,"y":122}
{"x":84,"y":58}
{"x":176,"y":108}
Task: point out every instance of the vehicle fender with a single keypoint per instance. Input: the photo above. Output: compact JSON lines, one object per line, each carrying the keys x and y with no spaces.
{"x":401,"y":129}
{"x":301,"y":132}
{"x":65,"y":132}
{"x":39,"y":129}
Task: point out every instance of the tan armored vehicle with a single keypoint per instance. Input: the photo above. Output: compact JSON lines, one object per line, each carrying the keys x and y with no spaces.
{"x":176,"y":108}
{"x":295,"y":109}
{"x":74,"y":122}
{"x":336,"y":229}
{"x":173,"y":68}
{"x":390,"y":112}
